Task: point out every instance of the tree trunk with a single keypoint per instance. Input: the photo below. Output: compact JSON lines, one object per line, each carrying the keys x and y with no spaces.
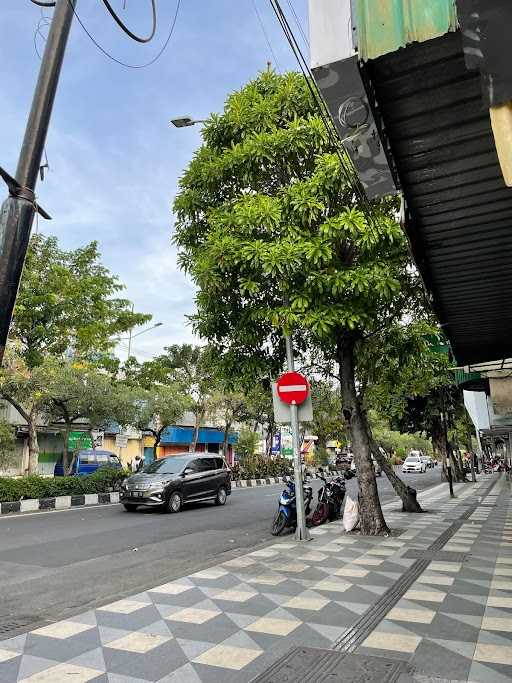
{"x":30,"y":466}
{"x":372,"y":522}
{"x":33,"y":445}
{"x":406,"y":493}
{"x":439,"y":444}
{"x":65,"y":452}
{"x":158,"y":436}
{"x":225,"y":442}
{"x":469,"y":439}
{"x":458,"y":471}
{"x":195,"y":436}
{"x":23,"y":469}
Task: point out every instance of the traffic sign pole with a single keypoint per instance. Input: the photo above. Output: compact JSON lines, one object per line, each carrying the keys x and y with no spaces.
{"x":301,"y":533}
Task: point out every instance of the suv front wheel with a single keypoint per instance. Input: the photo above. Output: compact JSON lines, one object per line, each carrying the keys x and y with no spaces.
{"x":174,"y":502}
{"x":221,"y":497}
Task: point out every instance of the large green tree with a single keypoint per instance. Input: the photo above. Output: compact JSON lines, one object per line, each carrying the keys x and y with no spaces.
{"x":269,"y":227}
{"x":159,"y":407}
{"x":78,"y":393}
{"x":191,"y":367}
{"x":226,"y":408}
{"x":68,"y":301}
{"x":414,"y":386}
{"x":23,"y":389}
{"x":327,"y":424}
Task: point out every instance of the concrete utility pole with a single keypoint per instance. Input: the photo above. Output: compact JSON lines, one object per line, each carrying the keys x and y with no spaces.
{"x":301,"y":533}
{"x":17,"y":212}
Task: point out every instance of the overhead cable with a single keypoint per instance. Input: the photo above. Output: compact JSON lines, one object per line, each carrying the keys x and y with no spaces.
{"x":127,"y":65}
{"x":347,"y":166}
{"x":265,"y":34}
{"x":125,"y":28}
{"x":317,"y":97}
{"x":298,"y":22}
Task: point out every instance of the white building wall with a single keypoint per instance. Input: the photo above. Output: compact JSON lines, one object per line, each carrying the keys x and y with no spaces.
{"x":330,"y":31}
{"x":477,"y":407}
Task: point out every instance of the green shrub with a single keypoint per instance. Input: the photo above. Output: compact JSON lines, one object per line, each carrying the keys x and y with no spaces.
{"x":246,"y":444}
{"x":260,"y":467}
{"x":34,"y":486}
{"x":321,"y":457}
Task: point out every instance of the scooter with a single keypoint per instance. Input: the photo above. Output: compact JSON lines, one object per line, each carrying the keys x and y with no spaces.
{"x":286,"y":515}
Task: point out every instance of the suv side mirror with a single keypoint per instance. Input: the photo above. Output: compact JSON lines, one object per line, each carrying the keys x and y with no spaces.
{"x":188,"y":470}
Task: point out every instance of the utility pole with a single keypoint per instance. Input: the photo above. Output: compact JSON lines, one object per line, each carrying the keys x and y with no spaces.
{"x":301,"y":533}
{"x":17,"y":211}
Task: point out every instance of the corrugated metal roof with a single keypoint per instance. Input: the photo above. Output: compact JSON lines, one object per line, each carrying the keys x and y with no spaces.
{"x":460,"y":225}
{"x":383,"y":26}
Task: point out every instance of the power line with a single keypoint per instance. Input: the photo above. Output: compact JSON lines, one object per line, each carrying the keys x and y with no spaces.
{"x":125,"y":28}
{"x":346,"y":165}
{"x":267,"y":39}
{"x":44,"y":22}
{"x":126,"y":64}
{"x":298,"y":22}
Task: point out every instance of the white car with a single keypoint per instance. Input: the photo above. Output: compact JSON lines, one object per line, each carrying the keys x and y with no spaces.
{"x":414,"y":463}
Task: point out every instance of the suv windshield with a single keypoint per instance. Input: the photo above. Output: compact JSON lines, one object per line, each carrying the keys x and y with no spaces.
{"x":413,"y":459}
{"x":166,"y":465}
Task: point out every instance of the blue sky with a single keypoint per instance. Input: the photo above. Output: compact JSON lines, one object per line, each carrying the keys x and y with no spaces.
{"x":114,"y":160}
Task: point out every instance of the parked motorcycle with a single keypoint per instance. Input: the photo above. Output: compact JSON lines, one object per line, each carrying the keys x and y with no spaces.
{"x":330,"y":499}
{"x":286,"y":515}
{"x":326,"y":507}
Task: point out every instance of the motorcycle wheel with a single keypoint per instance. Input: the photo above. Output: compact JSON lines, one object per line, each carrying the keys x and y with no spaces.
{"x":333,"y":512}
{"x":279,"y":523}
{"x":320,"y":515}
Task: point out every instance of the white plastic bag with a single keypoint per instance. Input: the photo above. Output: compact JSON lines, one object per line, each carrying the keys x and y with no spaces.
{"x":351,"y":514}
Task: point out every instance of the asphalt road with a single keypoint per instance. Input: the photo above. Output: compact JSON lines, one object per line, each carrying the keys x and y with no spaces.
{"x":56,"y":564}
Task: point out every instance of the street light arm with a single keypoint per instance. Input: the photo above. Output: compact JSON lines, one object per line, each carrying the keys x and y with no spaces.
{"x":146,"y":330}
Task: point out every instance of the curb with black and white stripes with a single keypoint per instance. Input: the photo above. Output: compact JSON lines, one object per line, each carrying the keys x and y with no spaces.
{"x":58,"y":503}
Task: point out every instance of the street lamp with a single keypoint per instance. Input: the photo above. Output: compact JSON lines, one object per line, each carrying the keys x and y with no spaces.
{"x":132,"y":336}
{"x":186,"y":121}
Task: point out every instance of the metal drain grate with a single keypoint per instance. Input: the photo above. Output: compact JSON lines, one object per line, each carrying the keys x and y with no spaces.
{"x":439,"y":555}
{"x":311,"y":665}
{"x":9,"y":627}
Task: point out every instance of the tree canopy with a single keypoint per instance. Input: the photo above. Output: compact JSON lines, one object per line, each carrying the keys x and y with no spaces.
{"x":267,"y":226}
{"x":68,"y":300}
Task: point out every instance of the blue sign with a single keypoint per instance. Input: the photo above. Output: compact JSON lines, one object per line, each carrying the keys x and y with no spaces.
{"x":276,"y":444}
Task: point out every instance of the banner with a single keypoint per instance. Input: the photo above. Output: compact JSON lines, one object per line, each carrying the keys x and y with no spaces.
{"x":276,"y":444}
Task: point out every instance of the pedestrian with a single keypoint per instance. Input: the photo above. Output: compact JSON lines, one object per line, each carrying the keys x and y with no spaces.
{"x":140,"y":463}
{"x":134,"y":464}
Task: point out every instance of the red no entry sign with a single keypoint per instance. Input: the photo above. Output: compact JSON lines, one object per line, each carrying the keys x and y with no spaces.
{"x":292,"y":388}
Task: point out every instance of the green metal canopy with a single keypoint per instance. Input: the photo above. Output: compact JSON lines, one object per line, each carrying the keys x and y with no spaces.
{"x":384,"y":26}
